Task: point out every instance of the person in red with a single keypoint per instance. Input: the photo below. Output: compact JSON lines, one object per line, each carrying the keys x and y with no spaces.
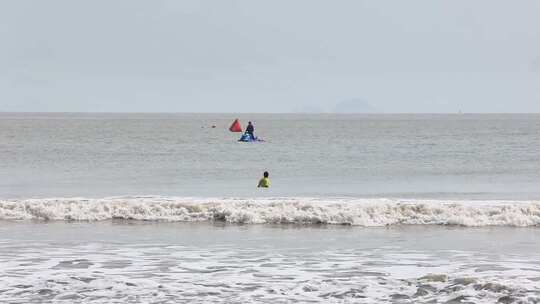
{"x":250,"y":129}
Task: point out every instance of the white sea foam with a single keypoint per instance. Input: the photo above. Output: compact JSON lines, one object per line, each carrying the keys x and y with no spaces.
{"x":360,"y":212}
{"x":161,"y":273}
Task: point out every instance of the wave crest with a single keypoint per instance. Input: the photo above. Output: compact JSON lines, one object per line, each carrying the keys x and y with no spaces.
{"x":359,"y":212}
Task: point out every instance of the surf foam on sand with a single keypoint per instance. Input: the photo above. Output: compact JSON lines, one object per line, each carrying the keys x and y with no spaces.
{"x":338,"y":211}
{"x":161,"y":273}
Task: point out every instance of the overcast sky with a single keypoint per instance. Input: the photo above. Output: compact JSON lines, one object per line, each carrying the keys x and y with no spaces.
{"x":269,"y":56}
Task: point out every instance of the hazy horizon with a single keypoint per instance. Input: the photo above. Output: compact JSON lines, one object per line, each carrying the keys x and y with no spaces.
{"x":276,"y":113}
{"x":281,"y":57}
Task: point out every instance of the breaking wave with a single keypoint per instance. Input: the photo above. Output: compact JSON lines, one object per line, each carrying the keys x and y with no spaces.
{"x":339,"y":211}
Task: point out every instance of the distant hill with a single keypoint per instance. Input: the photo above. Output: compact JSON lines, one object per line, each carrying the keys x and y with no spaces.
{"x":354,"y":106}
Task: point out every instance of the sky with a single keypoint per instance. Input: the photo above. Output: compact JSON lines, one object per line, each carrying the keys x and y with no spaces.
{"x":270,"y":56}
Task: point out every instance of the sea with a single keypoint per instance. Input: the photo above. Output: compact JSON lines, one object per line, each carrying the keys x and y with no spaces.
{"x":362,"y":208}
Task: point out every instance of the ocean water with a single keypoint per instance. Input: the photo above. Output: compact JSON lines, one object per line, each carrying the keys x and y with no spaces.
{"x":435,"y":156}
{"x":163,"y":208}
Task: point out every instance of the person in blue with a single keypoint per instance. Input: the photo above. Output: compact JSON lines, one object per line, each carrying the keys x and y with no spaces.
{"x":250,"y":129}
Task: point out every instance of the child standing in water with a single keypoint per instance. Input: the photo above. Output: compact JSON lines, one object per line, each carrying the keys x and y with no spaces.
{"x":264,"y":182}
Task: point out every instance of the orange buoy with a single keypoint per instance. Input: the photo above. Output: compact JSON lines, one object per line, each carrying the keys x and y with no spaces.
{"x":235,"y":127}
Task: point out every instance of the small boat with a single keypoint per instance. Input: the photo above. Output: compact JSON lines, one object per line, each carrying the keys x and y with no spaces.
{"x":247,"y":138}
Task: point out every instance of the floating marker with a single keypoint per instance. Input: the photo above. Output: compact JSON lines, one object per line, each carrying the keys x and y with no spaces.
{"x":235,"y":127}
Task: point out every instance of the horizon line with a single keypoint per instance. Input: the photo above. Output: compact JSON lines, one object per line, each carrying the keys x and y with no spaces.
{"x":274,"y":113}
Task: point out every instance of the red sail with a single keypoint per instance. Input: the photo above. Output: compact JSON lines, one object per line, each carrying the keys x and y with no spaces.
{"x":235,"y":127}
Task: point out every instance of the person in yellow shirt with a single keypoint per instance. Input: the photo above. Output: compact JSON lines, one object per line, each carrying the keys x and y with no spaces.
{"x":264,"y":182}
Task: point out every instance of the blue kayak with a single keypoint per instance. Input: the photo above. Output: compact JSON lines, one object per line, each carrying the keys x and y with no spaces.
{"x":248,"y":138}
